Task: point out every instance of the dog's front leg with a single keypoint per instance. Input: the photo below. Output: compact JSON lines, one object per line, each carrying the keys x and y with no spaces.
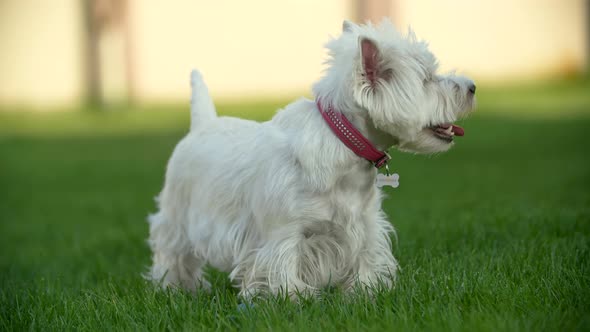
{"x":377,"y":267}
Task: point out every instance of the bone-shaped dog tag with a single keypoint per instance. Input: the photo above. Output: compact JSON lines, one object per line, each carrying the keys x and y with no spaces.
{"x":387,"y":180}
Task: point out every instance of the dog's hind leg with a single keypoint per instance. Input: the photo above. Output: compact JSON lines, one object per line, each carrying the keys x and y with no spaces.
{"x":181,"y":270}
{"x":174,"y":263}
{"x":202,"y":107}
{"x":275,"y":268}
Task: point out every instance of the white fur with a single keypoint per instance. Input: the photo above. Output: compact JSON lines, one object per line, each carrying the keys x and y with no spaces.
{"x":284,"y":205}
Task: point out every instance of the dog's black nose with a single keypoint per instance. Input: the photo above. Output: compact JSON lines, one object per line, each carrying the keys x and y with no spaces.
{"x":472,"y":88}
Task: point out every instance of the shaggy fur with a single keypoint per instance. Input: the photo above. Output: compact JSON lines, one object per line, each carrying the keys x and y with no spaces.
{"x":284,"y":205}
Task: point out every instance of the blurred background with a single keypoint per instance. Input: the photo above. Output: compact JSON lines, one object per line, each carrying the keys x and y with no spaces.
{"x":57,"y":54}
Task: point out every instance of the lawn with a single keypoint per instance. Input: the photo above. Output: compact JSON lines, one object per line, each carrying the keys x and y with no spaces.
{"x":493,"y":235}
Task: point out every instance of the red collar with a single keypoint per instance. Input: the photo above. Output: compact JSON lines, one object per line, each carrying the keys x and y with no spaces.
{"x":351,"y":137}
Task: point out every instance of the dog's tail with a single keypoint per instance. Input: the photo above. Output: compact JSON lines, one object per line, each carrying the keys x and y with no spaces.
{"x":202,"y":108}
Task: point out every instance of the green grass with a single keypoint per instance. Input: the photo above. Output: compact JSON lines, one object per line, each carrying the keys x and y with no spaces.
{"x":493,"y":235}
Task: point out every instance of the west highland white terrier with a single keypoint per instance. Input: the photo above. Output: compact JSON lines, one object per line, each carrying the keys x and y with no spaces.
{"x":291,"y":205}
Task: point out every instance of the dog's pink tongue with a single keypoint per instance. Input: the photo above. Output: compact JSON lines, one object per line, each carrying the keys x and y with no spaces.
{"x":458,"y":131}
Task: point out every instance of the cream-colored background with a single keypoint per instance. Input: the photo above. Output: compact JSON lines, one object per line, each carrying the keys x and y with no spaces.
{"x":268,"y":47}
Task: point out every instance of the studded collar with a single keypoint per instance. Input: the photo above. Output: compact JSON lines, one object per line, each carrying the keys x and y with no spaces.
{"x":351,"y":137}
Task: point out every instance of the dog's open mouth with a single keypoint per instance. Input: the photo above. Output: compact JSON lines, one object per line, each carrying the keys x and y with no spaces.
{"x":447,"y":131}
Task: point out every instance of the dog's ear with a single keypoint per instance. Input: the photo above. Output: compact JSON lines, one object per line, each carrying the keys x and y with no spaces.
{"x":347,"y":26}
{"x":372,"y":62}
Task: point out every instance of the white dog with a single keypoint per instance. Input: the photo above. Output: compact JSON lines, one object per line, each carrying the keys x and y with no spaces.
{"x":291,"y":204}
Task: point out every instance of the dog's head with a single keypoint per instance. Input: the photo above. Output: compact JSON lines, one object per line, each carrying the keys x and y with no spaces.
{"x":392,"y":81}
